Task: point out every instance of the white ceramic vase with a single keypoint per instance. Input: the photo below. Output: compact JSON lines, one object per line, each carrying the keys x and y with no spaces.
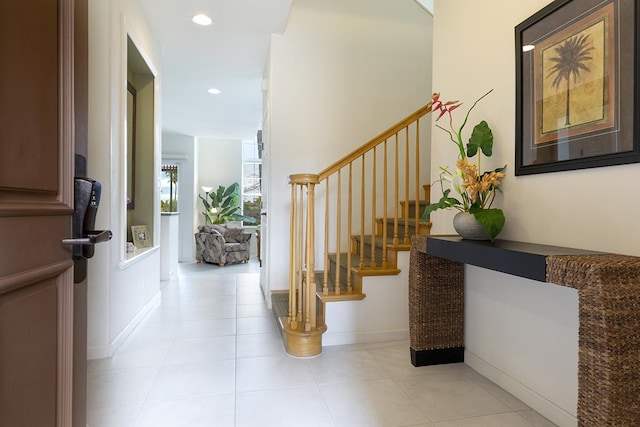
{"x":468,"y":227}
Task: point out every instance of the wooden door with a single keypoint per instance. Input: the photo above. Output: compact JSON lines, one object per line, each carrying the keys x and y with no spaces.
{"x":36,"y":203}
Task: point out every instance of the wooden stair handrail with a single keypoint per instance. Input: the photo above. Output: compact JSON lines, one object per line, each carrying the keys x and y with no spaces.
{"x":374,"y":142}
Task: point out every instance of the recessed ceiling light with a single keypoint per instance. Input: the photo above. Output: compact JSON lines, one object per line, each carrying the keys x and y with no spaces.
{"x":202,"y":19}
{"x":528,"y":47}
{"x":214,"y":91}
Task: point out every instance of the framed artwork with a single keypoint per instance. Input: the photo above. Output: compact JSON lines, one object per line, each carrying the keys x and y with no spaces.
{"x":141,"y":236}
{"x":131,"y":145}
{"x":577,"y":98}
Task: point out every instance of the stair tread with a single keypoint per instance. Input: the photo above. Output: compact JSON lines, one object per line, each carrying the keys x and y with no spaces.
{"x":355,"y":260}
{"x":422,"y":202}
{"x":330,"y":283}
{"x":378,"y":243}
{"x":412,"y":220}
{"x":355,"y":264}
{"x":280,"y":304}
{"x":379,"y":239}
{"x":332,"y":297}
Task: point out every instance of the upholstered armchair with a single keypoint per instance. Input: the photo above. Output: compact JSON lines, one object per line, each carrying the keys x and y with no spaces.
{"x":221,"y":245}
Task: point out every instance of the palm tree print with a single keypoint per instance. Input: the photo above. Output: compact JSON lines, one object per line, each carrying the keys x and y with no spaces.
{"x":570,"y":60}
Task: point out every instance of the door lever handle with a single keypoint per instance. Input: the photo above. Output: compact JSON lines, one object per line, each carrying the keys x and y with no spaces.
{"x":91,"y":238}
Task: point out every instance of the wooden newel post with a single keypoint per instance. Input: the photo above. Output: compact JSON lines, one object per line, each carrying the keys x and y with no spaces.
{"x":310,"y":261}
{"x":303,"y":334}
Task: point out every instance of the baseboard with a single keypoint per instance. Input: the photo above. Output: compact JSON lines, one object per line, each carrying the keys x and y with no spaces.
{"x":97,"y":352}
{"x":356,"y":337}
{"x":105,"y":351}
{"x":534,"y":400}
{"x":439,"y":356}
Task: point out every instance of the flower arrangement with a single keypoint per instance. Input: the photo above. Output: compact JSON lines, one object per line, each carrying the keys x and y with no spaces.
{"x":474,"y":191}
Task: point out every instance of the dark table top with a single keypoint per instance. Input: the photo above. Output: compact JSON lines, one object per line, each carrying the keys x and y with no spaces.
{"x":517,"y":258}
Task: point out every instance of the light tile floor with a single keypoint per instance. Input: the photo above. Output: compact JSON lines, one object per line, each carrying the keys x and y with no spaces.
{"x":210,"y":355}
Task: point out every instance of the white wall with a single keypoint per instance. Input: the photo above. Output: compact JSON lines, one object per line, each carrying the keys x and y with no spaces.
{"x":382,"y":316}
{"x":219,"y":163}
{"x":340,"y":74}
{"x":473,"y":52}
{"x":182,"y":147}
{"x":118,"y":291}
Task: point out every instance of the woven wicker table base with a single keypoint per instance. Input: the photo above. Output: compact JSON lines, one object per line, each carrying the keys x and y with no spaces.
{"x":609,"y":332}
{"x":436,"y":308}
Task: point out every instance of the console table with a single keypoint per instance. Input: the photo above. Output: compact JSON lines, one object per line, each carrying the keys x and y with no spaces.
{"x":608,"y":307}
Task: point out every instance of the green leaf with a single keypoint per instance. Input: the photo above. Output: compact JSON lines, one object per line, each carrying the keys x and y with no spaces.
{"x":243,"y":218}
{"x":500,"y":169}
{"x":227,"y":211}
{"x":226,"y":203}
{"x":215,"y":200}
{"x":206,"y":204}
{"x":492,"y":220}
{"x":481,"y":138}
{"x":444,"y":202}
{"x":220,"y":193}
{"x":232,"y":190}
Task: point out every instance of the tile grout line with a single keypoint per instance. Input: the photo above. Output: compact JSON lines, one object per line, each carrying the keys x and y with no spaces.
{"x":155,"y":378}
{"x":235,"y":359}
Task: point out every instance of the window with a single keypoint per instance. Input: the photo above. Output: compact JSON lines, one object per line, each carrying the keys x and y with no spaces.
{"x":251,"y":180}
{"x":169,"y":188}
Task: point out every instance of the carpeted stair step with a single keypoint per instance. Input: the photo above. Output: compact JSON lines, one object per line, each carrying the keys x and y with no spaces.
{"x":343,"y":295}
{"x":279,"y":305}
{"x":378,"y":241}
{"x":411,"y":205}
{"x":355,"y":263}
{"x":331,"y":286}
{"x":401,"y":227}
{"x":333,"y":262}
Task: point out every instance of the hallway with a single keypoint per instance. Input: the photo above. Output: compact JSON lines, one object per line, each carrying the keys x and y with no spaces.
{"x":210,"y":355}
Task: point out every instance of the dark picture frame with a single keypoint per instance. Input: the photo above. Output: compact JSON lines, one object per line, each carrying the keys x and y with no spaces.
{"x":132,"y":103}
{"x":577,"y":100}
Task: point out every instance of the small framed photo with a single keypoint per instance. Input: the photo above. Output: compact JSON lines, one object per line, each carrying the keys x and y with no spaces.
{"x":577,"y":95}
{"x":141,"y":236}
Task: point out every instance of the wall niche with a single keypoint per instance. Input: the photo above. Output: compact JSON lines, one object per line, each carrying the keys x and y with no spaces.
{"x":140,"y":146}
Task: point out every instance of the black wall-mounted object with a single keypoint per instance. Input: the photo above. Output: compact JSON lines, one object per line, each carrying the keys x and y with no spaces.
{"x":86,"y":194}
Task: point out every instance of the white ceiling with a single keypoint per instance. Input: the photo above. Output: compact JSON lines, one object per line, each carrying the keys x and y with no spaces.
{"x":427,"y":4}
{"x":229,"y":55}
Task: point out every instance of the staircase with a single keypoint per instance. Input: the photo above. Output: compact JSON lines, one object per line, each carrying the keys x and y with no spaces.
{"x":369,"y":204}
{"x":363,"y":245}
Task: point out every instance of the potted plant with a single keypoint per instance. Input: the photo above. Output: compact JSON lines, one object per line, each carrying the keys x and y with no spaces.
{"x":222,"y":205}
{"x":474,"y":191}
